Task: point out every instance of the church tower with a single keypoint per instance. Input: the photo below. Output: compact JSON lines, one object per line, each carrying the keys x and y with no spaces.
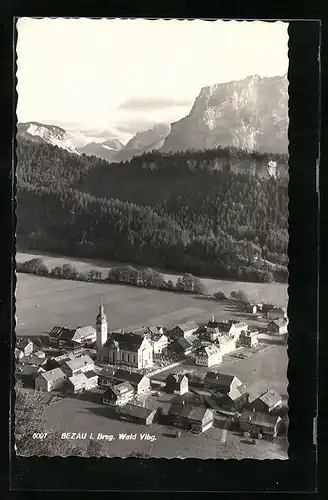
{"x":101,"y":328}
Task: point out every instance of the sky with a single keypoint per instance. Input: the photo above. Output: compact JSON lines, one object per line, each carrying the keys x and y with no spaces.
{"x":103,"y":78}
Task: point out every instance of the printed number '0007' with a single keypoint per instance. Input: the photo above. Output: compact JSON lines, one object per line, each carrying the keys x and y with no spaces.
{"x":40,"y":435}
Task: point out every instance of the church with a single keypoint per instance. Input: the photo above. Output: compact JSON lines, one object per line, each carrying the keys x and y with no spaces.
{"x":120,"y":348}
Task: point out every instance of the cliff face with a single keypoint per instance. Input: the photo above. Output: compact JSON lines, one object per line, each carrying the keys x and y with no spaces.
{"x":250,"y":114}
{"x":51,"y":134}
{"x":144,"y":141}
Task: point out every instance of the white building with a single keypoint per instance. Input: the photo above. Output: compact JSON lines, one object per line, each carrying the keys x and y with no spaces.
{"x":209,"y":355}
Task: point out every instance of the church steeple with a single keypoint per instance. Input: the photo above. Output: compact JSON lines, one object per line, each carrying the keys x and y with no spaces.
{"x":101,"y":328}
{"x":101,"y":317}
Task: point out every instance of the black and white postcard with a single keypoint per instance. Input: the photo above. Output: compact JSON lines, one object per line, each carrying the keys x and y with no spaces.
{"x":152,"y":232}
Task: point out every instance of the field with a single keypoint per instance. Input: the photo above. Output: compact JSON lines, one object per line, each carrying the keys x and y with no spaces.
{"x":42,"y":303}
{"x":275,"y":293}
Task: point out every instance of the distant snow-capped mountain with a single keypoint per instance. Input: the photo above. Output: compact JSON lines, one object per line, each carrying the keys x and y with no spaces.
{"x":106,"y":150}
{"x":51,"y":134}
{"x":144,"y":141}
{"x":250,"y":114}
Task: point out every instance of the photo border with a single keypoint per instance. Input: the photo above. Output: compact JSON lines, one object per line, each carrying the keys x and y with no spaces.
{"x":299,"y":472}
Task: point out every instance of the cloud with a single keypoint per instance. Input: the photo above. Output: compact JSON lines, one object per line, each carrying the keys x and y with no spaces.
{"x":149,"y":103}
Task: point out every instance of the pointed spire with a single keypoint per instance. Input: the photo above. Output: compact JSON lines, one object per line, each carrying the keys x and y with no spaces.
{"x":101,"y":317}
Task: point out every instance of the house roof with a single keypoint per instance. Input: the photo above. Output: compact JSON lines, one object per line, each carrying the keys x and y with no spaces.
{"x":224,"y":339}
{"x":78,"y":379}
{"x":107,"y":372}
{"x":125,"y":341}
{"x":21,"y":343}
{"x":158,"y":336}
{"x":68,"y":333}
{"x":135,"y":411}
{"x":120,"y":389}
{"x":141,"y":331}
{"x":209,"y":350}
{"x":221,"y":379}
{"x":27,"y":370}
{"x":78,"y":363}
{"x":190,"y":325}
{"x":238,"y":324}
{"x":177,"y":378}
{"x":261,"y":419}
{"x":188,"y":411}
{"x":184,"y":343}
{"x":155,"y":330}
{"x":271,"y":398}
{"x":279,"y":322}
{"x":90,"y":374}
{"x":224,"y":326}
{"x":52,"y":375}
{"x":33,"y":360}
{"x":132,"y":377}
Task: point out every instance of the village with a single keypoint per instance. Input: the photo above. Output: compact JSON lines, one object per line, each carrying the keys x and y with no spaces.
{"x":165,"y":375}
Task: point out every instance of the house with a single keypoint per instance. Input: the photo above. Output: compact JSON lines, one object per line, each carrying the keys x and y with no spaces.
{"x":231,"y":328}
{"x":24,"y":347}
{"x":252,"y":308}
{"x":40,"y":354}
{"x":276,"y":313}
{"x":140,"y":383}
{"x":77,"y":365}
{"x":233,"y":400}
{"x":119,"y":394}
{"x":225,"y":343}
{"x":209,"y":355}
{"x":27,"y":374}
{"x":76,"y":384}
{"x":128,"y":349}
{"x":33,"y":360}
{"x":266,"y":402}
{"x":221,"y":382}
{"x":278,"y":326}
{"x":61,"y":336}
{"x":209,"y":333}
{"x":159,"y":341}
{"x":259,"y":424}
{"x":106,"y":377}
{"x":184,"y":330}
{"x":91,"y":380}
{"x":176,"y":384}
{"x":155,"y":330}
{"x":48,"y":381}
{"x":137,"y":414}
{"x":192,"y":418}
{"x":249,"y":338}
{"x":183,"y":346}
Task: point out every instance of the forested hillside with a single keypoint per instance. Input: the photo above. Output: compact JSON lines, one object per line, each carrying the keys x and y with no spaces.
{"x":183,"y":212}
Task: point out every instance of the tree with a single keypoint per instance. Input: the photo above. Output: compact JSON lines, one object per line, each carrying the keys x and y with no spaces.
{"x":219,"y":295}
{"x":239,"y":296}
{"x":35,"y":266}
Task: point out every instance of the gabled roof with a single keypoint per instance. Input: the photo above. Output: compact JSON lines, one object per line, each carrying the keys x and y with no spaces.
{"x":221,"y":379}
{"x":21,"y":343}
{"x":68,"y":333}
{"x":224,"y":326}
{"x":125,"y":341}
{"x":271,"y":398}
{"x":107,"y":372}
{"x":184,"y":343}
{"x":132,"y":377}
{"x":177,"y":378}
{"x":120,"y":389}
{"x":78,"y":379}
{"x":134,"y":411}
{"x":33,"y":360}
{"x":27,"y":370}
{"x":90,"y":374}
{"x":78,"y":363}
{"x":52,"y":375}
{"x":190,"y":325}
{"x":209,"y":350}
{"x":279,"y":322}
{"x":143,"y":331}
{"x":190,"y":412}
{"x":261,"y":419}
{"x":155,"y":330}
